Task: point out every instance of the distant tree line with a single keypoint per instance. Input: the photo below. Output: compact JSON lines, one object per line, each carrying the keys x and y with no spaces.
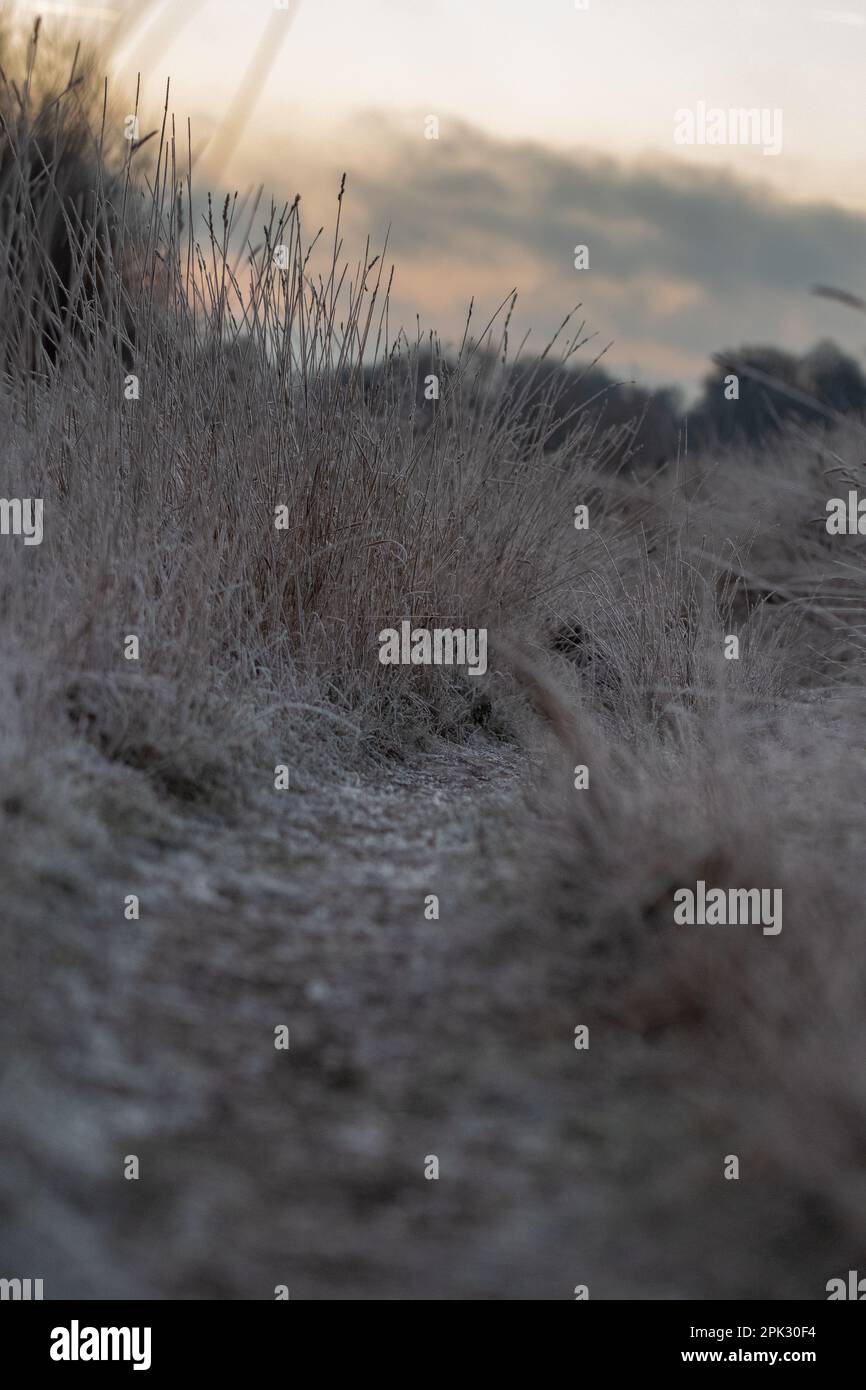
{"x":774,"y":388}
{"x":748,"y":397}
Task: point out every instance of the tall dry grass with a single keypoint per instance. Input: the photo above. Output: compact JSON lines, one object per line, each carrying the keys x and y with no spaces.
{"x":264,"y":374}
{"x":268,"y":374}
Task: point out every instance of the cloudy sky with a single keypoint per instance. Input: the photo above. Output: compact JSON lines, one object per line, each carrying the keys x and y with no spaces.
{"x":556,"y":128}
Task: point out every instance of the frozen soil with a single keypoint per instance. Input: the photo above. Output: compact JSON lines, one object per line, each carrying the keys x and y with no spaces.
{"x":408,"y":1038}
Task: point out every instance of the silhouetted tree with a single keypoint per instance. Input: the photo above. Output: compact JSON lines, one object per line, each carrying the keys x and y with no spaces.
{"x":774,"y":388}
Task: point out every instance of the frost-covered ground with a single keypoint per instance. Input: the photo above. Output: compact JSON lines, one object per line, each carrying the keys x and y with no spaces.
{"x":409,"y":1038}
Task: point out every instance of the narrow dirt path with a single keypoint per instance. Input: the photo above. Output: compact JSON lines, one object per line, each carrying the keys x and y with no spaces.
{"x":258,"y":1166}
{"x":409,"y":1038}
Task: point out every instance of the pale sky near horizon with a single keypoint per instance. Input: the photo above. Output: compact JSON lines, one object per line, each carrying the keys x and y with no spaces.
{"x":608,"y":78}
{"x":532,"y":100}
